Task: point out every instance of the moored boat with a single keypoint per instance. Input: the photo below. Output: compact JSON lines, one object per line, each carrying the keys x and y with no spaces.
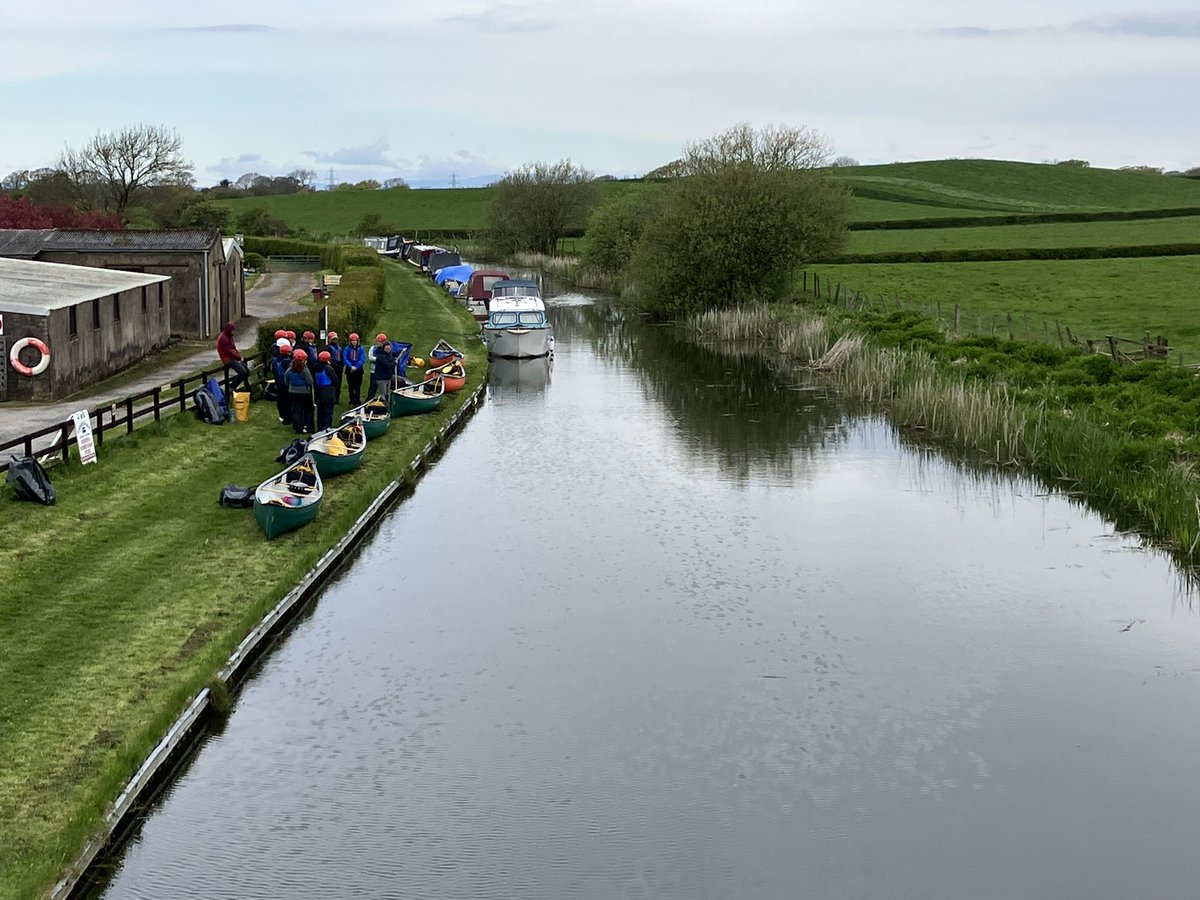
{"x":375,"y":415}
{"x":289,"y":500}
{"x":453,"y":374}
{"x":415,"y":399}
{"x":479,"y":291}
{"x":338,"y":450}
{"x":443,"y":353}
{"x":517,"y":326}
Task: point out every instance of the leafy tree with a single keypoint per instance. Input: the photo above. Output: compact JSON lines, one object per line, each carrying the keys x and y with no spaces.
{"x":50,"y":187}
{"x":305,"y":178}
{"x":843,"y":161}
{"x":614,"y":229}
{"x":395,"y":183}
{"x":257,"y":220}
{"x":537,"y":204}
{"x":204,"y":214}
{"x":1076,"y":163}
{"x":754,"y":205}
{"x":373,"y":223}
{"x":114,"y":167}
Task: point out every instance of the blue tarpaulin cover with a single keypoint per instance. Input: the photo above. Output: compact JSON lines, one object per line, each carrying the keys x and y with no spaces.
{"x":454,"y":273}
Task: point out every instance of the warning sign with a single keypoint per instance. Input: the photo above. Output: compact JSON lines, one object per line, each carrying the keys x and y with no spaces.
{"x":1,"y":324}
{"x":83,"y":435}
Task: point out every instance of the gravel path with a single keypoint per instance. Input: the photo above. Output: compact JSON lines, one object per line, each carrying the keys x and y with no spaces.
{"x":273,"y":294}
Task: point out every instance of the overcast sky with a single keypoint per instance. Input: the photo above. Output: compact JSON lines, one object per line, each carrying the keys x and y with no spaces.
{"x":420,"y":90}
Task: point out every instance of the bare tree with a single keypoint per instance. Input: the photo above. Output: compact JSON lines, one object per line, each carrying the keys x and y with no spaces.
{"x":124,"y":161}
{"x":306,"y":178}
{"x":843,"y":162}
{"x":537,"y":204}
{"x":770,"y":149}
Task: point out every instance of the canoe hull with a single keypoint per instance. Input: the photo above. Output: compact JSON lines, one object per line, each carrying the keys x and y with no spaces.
{"x":375,"y":428}
{"x":276,"y":520}
{"x":329,"y":464}
{"x":409,"y":405}
{"x":280,"y":508}
{"x":518,"y":343}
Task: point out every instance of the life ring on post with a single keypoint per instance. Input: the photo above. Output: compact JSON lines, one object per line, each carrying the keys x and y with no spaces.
{"x":14,"y":357}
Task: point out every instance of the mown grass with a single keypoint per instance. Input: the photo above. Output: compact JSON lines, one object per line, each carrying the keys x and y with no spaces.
{"x":1122,"y":297}
{"x":123,"y":599}
{"x":1121,"y":436}
{"x":1183,"y":229}
{"x":1017,"y":186}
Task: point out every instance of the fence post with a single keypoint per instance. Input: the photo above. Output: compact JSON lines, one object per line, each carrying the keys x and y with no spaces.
{"x":1112,"y":346}
{"x":182,"y":396}
{"x":99,"y":429}
{"x":1058,"y":328}
{"x":66,"y":438}
{"x":1011,"y":336}
{"x":993,"y":325}
{"x":157,"y":412}
{"x":837,"y":295}
{"x":956,"y":319}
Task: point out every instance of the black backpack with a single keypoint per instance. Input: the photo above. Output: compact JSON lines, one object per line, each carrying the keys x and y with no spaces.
{"x":292,"y":452}
{"x":30,"y":481}
{"x":236,"y":497}
{"x":207,"y":408}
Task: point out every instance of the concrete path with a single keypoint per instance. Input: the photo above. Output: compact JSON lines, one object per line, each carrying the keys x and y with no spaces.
{"x":274,"y":294}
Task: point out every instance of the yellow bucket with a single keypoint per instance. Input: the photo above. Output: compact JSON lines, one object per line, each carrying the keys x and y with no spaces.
{"x":241,"y":405}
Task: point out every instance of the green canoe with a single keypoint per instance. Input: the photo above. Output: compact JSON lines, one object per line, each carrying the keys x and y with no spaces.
{"x":290,"y":499}
{"x":375,"y":416}
{"x":332,"y":459}
{"x":418,"y":398}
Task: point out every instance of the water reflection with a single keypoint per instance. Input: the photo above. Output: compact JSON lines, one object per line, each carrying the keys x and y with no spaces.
{"x":513,"y":377}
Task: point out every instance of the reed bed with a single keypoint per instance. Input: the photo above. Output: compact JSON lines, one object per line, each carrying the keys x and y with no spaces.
{"x":989,"y":418}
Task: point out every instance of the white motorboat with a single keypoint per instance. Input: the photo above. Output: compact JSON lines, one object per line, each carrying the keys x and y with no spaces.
{"x":517,"y":326}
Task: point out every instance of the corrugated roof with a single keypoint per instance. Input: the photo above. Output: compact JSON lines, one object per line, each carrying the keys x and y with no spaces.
{"x":23,"y":243}
{"x":148,"y":241}
{"x":36,"y":288}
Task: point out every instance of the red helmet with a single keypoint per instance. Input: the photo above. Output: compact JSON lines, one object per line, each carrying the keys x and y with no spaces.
{"x":286,"y":349}
{"x":291,"y":335}
{"x":332,"y":336}
{"x":381,"y":338}
{"x":280,"y":333}
{"x":354,"y":335}
{"x":308,"y":336}
{"x":324,"y":356}
{"x":300,"y":355}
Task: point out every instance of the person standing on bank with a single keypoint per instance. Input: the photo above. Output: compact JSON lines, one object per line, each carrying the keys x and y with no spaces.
{"x":231,"y":356}
{"x":300,"y":390}
{"x":307,"y":343}
{"x":335,"y":360}
{"x":384,"y":372}
{"x":283,"y":400}
{"x":326,"y":388}
{"x":355,"y":359}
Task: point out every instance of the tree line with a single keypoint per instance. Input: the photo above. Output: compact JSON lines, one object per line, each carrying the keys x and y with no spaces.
{"x":726,"y":224}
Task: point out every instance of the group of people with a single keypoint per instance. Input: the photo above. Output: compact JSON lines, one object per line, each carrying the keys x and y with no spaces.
{"x":308,"y":381}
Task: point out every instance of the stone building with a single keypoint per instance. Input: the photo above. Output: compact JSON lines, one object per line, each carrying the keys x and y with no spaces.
{"x":93,"y":323}
{"x":202,"y":295}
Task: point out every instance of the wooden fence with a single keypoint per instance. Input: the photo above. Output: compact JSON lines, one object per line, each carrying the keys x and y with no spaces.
{"x":957,"y":321}
{"x":52,"y":444}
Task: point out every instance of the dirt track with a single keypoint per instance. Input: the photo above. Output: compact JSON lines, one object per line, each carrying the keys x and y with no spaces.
{"x":273,"y":295}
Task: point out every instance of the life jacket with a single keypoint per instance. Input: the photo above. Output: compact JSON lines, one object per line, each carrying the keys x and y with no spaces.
{"x":335,"y":354}
{"x":355,"y":357}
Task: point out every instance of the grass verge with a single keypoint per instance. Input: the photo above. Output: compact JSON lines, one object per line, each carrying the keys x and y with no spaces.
{"x":122,"y":600}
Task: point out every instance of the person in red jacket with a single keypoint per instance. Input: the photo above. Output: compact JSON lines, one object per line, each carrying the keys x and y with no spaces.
{"x":232,"y":357}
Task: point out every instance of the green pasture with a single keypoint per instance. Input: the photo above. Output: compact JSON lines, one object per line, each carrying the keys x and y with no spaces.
{"x":869,"y":209}
{"x":1121,"y":297}
{"x":1016,"y":186}
{"x":121,"y":601}
{"x":1183,"y":229}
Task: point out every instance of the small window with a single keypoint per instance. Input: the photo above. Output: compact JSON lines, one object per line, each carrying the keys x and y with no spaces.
{"x":73,"y":320}
{"x":116,"y":307}
{"x":160,"y":295}
{"x":96,"y":313}
{"x":143,"y":299}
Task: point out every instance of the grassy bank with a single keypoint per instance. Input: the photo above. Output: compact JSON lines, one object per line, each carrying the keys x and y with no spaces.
{"x":123,"y":599}
{"x":1122,"y":437}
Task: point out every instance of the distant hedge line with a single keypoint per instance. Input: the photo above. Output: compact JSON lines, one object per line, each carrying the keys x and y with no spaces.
{"x":1120,"y":215}
{"x":1017,"y":254}
{"x":338,"y":257}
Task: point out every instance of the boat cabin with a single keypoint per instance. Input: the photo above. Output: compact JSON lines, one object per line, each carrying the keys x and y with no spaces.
{"x":516,"y":287}
{"x":479,"y":287}
{"x":517,"y":312}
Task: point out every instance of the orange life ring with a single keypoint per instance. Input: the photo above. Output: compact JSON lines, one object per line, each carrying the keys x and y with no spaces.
{"x":14,"y":357}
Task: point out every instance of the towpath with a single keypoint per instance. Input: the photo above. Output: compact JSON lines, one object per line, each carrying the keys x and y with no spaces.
{"x":273,"y":295}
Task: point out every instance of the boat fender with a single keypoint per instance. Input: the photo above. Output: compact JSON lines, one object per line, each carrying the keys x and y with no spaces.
{"x":14,"y":357}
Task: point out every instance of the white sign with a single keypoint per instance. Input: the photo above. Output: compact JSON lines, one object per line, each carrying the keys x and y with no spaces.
{"x":1,"y":324}
{"x":83,"y":435}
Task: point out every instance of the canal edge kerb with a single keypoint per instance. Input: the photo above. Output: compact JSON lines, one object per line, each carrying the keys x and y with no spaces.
{"x":186,"y":731}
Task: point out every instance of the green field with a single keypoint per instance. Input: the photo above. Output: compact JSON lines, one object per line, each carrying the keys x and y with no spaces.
{"x":122,"y":600}
{"x":1019,"y":187}
{"x":1122,"y":297}
{"x":1183,"y":229}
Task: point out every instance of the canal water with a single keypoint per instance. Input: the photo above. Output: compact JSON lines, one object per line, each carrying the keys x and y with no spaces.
{"x":663,"y":624}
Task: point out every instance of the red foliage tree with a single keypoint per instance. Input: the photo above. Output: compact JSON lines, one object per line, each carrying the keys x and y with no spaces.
{"x":23,"y":213}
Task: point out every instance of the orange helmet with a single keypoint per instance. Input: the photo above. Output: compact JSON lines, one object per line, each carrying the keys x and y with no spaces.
{"x":300,"y":355}
{"x":323,"y":356}
{"x":286,"y":349}
{"x":381,"y":338}
{"x":332,"y":336}
{"x":291,"y":335}
{"x":308,"y":336}
{"x":280,"y":333}
{"x":354,"y":335}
